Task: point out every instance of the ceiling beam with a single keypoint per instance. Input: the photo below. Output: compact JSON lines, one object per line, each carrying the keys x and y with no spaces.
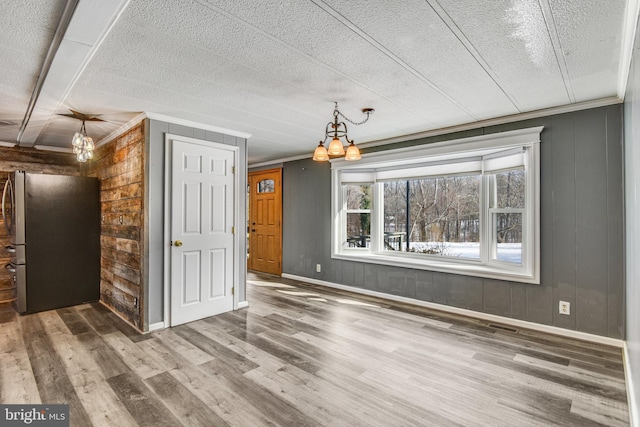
{"x":82,"y":28}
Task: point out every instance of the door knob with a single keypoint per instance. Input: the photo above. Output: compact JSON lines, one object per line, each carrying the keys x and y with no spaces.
{"x":177,"y":243}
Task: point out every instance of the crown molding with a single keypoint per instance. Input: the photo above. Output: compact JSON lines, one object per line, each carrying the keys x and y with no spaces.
{"x":122,"y":129}
{"x":282,"y":160}
{"x":168,"y":119}
{"x":568,"y":108}
{"x":204,"y":126}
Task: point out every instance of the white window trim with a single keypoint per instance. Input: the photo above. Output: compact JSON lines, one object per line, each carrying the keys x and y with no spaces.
{"x":363,"y":171}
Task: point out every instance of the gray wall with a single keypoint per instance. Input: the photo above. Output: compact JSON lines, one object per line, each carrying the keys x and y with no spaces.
{"x":632,"y":212}
{"x":581,"y":232}
{"x":154,"y":210}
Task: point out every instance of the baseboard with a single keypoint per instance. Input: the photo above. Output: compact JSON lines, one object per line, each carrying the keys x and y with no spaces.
{"x":243,"y":304}
{"x":632,"y":399}
{"x":156,"y":326}
{"x":554,"y":330}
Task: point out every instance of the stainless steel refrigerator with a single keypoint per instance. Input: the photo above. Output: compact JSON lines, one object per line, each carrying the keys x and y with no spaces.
{"x":54,"y":224}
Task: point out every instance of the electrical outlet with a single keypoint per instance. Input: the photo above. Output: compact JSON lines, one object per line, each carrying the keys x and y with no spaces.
{"x":135,"y":302}
{"x":565,"y":308}
{"x":121,"y":219}
{"x":318,"y":268}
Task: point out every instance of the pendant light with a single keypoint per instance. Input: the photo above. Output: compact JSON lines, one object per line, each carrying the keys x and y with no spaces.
{"x":336,"y":130}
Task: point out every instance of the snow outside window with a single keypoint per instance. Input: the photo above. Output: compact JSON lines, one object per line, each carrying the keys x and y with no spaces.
{"x":468,"y":206}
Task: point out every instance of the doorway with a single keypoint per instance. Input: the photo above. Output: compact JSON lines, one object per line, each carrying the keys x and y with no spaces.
{"x":202,"y":206}
{"x":265,"y":221}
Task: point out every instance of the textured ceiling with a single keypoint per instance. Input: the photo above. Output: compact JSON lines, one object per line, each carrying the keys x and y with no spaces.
{"x":274,"y":68}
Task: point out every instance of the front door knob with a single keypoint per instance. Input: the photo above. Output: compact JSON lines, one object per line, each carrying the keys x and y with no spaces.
{"x":178,"y":243}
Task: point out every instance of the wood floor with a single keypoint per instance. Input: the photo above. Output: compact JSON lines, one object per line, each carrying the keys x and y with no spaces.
{"x":302,"y":355}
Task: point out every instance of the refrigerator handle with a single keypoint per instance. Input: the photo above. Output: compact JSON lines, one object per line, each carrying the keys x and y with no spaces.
{"x":8,"y":188}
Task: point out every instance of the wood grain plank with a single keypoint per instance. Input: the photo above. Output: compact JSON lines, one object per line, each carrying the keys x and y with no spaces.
{"x":143,"y":405}
{"x":184,"y":404}
{"x":274,"y":408}
{"x":97,"y":321}
{"x":212,"y":391}
{"x":219,"y":352}
{"x":53,"y":383}
{"x":17,"y":381}
{"x":143,"y":364}
{"x":188,"y":351}
{"x":75,"y":323}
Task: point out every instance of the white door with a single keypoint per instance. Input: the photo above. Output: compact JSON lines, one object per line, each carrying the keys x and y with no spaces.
{"x":202,"y":213}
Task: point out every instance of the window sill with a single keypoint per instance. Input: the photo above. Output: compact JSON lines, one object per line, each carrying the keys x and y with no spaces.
{"x":454,"y":267}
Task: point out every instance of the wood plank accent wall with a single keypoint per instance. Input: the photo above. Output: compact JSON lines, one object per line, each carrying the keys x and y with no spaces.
{"x":30,"y":160}
{"x":119,"y":165}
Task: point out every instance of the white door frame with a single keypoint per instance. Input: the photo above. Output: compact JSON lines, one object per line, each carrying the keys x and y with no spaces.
{"x":168,"y":146}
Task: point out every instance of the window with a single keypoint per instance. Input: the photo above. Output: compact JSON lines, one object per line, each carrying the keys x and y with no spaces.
{"x":358,"y":215}
{"x":507,"y":208}
{"x":433,"y":216}
{"x":466,"y":206}
{"x":266,"y":186}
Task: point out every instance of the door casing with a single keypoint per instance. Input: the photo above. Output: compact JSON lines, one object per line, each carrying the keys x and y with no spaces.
{"x":169,"y":138}
{"x":253,"y":179}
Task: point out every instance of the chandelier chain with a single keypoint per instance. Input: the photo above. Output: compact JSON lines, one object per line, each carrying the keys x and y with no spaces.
{"x":351,"y":121}
{"x":337,"y":113}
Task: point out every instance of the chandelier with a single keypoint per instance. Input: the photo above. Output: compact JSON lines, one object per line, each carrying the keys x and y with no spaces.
{"x":337,"y":130}
{"x":82,"y":145}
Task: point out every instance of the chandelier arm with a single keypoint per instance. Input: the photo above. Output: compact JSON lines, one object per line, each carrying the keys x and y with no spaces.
{"x":346,"y":134}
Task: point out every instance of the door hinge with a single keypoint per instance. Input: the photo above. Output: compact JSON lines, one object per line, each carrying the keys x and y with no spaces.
{"x":233,"y":169}
{"x":233,"y":290}
{"x":233,"y":230}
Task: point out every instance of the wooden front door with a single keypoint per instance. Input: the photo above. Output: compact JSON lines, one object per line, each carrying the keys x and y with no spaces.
{"x":265,"y":221}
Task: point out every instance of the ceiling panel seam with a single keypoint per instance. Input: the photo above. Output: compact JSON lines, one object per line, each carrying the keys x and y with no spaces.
{"x":365,"y":36}
{"x":550,"y":22}
{"x":63,"y":24}
{"x":63,"y":67}
{"x":312,"y":58}
{"x":117,"y":12}
{"x":444,"y":16}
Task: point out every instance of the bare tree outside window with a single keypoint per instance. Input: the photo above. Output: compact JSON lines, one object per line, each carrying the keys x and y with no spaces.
{"x":443,"y":214}
{"x":358,"y":199}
